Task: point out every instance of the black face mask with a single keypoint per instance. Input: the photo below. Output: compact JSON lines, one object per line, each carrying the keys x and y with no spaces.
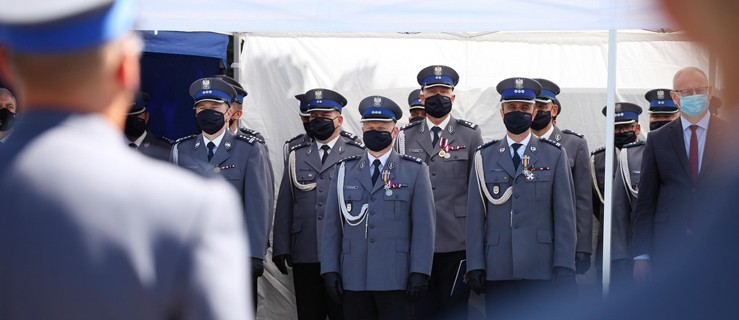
{"x":377,"y":140}
{"x":7,"y":119}
{"x":517,"y":122}
{"x":210,"y":120}
{"x":654,"y":125}
{"x":542,"y":120}
{"x":438,"y":106}
{"x":135,"y":126}
{"x":624,"y":138}
{"x":306,"y":127}
{"x":322,"y":128}
{"x":414,"y":119}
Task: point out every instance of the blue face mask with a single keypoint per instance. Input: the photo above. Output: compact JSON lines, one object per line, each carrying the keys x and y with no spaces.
{"x":694,"y":105}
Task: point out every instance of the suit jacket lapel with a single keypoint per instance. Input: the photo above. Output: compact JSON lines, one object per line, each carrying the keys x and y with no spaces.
{"x":530,"y":151}
{"x":201,"y":153}
{"x":713,"y":137}
{"x":312,"y":158}
{"x":504,"y":159}
{"x":425,"y":139}
{"x":222,"y":152}
{"x":448,"y":133}
{"x":390,"y":165}
{"x":364,"y":176}
{"x":678,"y":143}
{"x":334,"y":155}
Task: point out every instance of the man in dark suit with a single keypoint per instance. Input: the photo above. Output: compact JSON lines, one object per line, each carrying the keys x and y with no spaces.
{"x":138,"y":136}
{"x":679,"y":165}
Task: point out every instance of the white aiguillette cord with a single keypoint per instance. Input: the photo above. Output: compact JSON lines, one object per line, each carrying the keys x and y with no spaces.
{"x":479,"y":169}
{"x":301,"y":187}
{"x":348,"y":217}
{"x":626,"y":172}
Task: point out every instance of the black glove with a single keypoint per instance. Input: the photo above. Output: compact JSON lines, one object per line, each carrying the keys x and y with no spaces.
{"x":476,"y":280}
{"x":582,"y":262}
{"x":257,"y":267}
{"x":334,"y":287}
{"x":563,"y":277}
{"x":418,"y":284}
{"x":283,"y":261}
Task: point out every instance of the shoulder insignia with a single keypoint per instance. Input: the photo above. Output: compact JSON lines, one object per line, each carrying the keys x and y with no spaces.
{"x":634,"y":144}
{"x":355,"y":143}
{"x":568,"y":131}
{"x":301,"y":145}
{"x":354,"y":157}
{"x":411,"y":125}
{"x":467,"y":124}
{"x":300,"y":136}
{"x":186,"y":138}
{"x":599,"y":150}
{"x":554,"y":143}
{"x":249,"y":139}
{"x":486,"y":144}
{"x":165,"y":139}
{"x":349,"y":135}
{"x":410,"y":158}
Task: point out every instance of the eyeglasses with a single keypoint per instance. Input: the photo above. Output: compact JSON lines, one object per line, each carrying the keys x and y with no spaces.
{"x":692,"y":91}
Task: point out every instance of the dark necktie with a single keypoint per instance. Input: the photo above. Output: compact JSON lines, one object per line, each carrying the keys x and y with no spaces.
{"x":376,"y":172}
{"x":693,"y":156}
{"x":211,"y":146}
{"x":133,"y":145}
{"x":436,"y":130}
{"x":516,"y":157}
{"x":325,"y":149}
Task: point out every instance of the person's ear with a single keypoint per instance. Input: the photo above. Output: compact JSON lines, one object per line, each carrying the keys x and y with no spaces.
{"x":340,"y":120}
{"x":454,"y":96}
{"x":637,"y":129}
{"x":675,"y":98}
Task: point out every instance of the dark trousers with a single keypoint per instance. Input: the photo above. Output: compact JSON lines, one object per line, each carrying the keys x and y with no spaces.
{"x":438,"y":303}
{"x":512,"y":299}
{"x":310,"y":294}
{"x":373,"y":305}
{"x":254,"y":296}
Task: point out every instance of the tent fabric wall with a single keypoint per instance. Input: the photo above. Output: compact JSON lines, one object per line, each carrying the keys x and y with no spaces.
{"x":275,"y":67}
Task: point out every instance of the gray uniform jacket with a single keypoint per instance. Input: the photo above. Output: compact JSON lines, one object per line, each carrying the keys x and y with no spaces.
{"x":532,"y":228}
{"x":579,"y":162}
{"x":301,"y":200}
{"x":90,"y":229}
{"x":155,"y":147}
{"x":449,"y":176}
{"x":240,"y":161}
{"x":396,"y":238}
{"x":625,"y":194}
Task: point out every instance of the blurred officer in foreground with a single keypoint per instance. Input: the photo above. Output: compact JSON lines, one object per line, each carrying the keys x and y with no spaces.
{"x":236,"y":158}
{"x":91,"y":229}
{"x":446,"y":145}
{"x":8,"y":113}
{"x":417,"y":111}
{"x":301,"y":202}
{"x":576,"y":146}
{"x":521,"y":234}
{"x":138,"y":136}
{"x":378,"y":232}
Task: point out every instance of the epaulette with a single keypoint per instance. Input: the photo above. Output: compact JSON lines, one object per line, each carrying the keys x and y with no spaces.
{"x":634,"y":144}
{"x":599,"y":150}
{"x":349,"y":135}
{"x":467,"y":124}
{"x":354,"y":157}
{"x":568,"y":131}
{"x":301,"y":145}
{"x":249,"y":139}
{"x":411,"y":158}
{"x":185,"y":138}
{"x":165,"y":139}
{"x":355,"y":143}
{"x":411,"y":125}
{"x":484,"y":145}
{"x":554,"y":143}
{"x":300,"y":136}
{"x":251,"y":132}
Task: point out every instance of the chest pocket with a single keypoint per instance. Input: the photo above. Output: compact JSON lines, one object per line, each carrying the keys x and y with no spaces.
{"x":397,"y":204}
{"x":458,"y":162}
{"x":497,"y":182}
{"x":230,"y":173}
{"x":635,"y":175}
{"x":353,"y":200}
{"x":306,"y":176}
{"x":542,"y":184}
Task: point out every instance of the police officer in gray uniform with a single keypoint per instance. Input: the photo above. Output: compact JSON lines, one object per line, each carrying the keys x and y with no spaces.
{"x":578,"y":159}
{"x":236,"y":158}
{"x":627,"y":131}
{"x":139,"y":137}
{"x":301,"y":202}
{"x":416,"y":110}
{"x":378,"y":233}
{"x":520,"y":212}
{"x":91,"y":229}
{"x":662,"y":110}
{"x":447,"y":146}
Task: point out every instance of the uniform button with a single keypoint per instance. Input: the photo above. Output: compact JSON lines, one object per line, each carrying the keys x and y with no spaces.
{"x":372,"y":240}
{"x":320,"y":217}
{"x":515,"y":211}
{"x":372,"y":199}
{"x":515,"y":226}
{"x":372,"y":226}
{"x":433,"y":173}
{"x":372,"y":213}
{"x":433,"y":159}
{"x":515,"y":196}
{"x":320,"y":190}
{"x":433,"y":188}
{"x":320,"y":204}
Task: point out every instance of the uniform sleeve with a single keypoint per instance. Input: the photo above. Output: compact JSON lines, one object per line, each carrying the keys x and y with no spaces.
{"x":257,"y":202}
{"x":332,"y":233}
{"x":645,"y":206}
{"x":563,"y":207}
{"x":281,"y":232}
{"x":583,"y":198}
{"x":475,"y":224}
{"x":621,"y":216}
{"x":217,"y":284}
{"x":423,"y":223}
